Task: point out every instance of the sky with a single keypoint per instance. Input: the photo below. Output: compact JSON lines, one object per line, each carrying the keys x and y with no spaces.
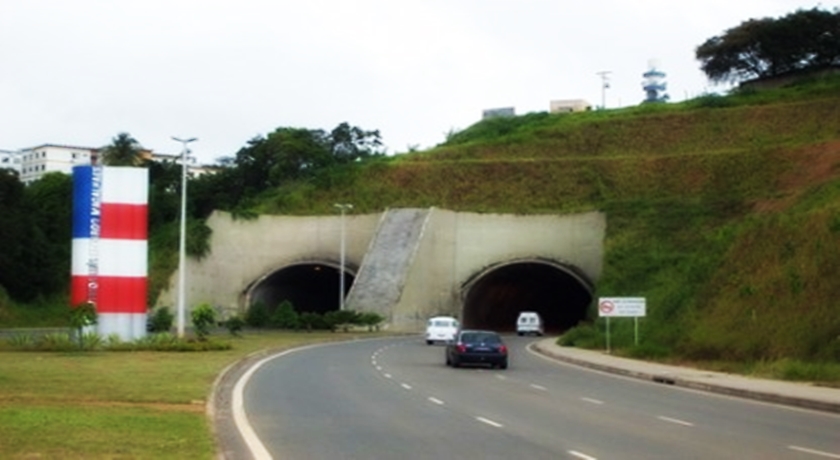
{"x":79,"y":72}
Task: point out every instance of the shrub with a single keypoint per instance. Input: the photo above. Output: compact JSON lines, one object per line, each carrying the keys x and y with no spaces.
{"x":161,"y":320}
{"x":234,"y":325}
{"x":583,"y":336}
{"x":203,"y":317}
{"x":371,"y":320}
{"x":57,"y":341}
{"x":285,"y":316}
{"x":21,"y":341}
{"x":258,"y":315}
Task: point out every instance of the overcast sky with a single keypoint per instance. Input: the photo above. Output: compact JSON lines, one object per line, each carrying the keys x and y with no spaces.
{"x":78,"y":72}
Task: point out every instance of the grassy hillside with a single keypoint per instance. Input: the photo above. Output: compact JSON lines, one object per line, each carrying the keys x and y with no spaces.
{"x":723,"y":211}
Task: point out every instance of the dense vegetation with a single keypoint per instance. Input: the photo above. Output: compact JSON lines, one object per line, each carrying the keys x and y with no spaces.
{"x":722,"y":211}
{"x":802,"y":41}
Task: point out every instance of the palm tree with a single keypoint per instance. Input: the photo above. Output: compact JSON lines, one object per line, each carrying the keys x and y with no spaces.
{"x":123,"y":150}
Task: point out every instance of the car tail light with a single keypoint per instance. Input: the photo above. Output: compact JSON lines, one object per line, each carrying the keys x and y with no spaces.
{"x":461,"y":348}
{"x":503,"y":349}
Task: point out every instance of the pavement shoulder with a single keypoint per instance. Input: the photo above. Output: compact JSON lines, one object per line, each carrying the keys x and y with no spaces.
{"x":774,"y":391}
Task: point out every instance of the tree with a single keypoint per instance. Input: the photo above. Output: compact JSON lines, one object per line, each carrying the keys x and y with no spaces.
{"x":761,"y":48}
{"x":123,"y":150}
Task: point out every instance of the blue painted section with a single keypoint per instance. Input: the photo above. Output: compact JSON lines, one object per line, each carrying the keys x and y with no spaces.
{"x":82,"y":191}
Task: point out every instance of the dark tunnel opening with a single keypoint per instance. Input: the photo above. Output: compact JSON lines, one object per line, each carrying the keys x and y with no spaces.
{"x":495,"y":300}
{"x":310,"y":287}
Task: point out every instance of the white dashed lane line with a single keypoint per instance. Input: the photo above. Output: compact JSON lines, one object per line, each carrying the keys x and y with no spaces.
{"x":674,"y":420}
{"x":489,"y":422}
{"x":387,"y":376}
{"x":406,"y":386}
{"x":436,"y":401}
{"x":538,"y":387}
{"x":592,"y":400}
{"x":814,"y":452}
{"x":580,"y":455}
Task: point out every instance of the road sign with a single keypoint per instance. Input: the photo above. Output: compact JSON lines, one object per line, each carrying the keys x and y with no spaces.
{"x":621,"y":306}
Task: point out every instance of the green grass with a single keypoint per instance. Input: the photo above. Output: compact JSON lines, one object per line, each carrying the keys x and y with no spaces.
{"x":722,"y":211}
{"x":119,"y":404}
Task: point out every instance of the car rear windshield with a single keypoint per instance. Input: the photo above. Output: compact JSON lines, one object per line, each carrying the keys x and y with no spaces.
{"x":480,"y":337}
{"x":442,"y":323}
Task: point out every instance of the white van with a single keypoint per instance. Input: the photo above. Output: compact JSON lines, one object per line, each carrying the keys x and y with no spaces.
{"x":441,"y":329}
{"x":529,"y":322}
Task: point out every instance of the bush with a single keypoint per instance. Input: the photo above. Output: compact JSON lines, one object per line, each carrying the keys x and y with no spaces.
{"x":371,"y":320}
{"x":583,"y":336}
{"x":313,"y":321}
{"x":234,"y":325}
{"x":203,"y":317}
{"x":161,"y":320}
{"x":285,"y":316}
{"x":258,"y":315}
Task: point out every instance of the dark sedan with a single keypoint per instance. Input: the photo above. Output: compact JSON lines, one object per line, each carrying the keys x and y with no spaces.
{"x":477,"y":347}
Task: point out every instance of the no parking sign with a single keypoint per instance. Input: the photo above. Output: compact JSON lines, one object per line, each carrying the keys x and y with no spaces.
{"x":632,"y":307}
{"x":621,"y":306}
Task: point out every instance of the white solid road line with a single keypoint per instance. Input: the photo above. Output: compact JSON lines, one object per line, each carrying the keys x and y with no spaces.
{"x":489,"y":422}
{"x":240,"y":419}
{"x":674,"y":420}
{"x":814,"y":452}
{"x":592,"y":400}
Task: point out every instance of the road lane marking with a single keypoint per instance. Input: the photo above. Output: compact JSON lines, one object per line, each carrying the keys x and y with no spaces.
{"x":538,"y":387}
{"x":674,"y":420}
{"x":592,"y":400}
{"x":406,"y":386}
{"x":814,"y":452}
{"x":379,"y":368}
{"x":387,"y":376}
{"x":581,"y":455}
{"x":501,"y":377}
{"x":489,"y":422}
{"x":436,"y":401}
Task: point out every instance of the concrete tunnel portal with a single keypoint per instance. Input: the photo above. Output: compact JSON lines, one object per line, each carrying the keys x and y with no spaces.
{"x":494,"y":299}
{"x":491,"y":300}
{"x":310,"y":287}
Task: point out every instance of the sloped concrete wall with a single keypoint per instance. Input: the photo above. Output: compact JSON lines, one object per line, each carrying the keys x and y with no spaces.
{"x":384,"y":270}
{"x":456,"y":247}
{"x":243,"y":252}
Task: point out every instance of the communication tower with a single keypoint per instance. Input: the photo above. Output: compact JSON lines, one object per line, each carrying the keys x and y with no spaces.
{"x":654,"y":83}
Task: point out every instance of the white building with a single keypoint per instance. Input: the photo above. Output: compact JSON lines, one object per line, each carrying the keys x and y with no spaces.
{"x":37,"y":161}
{"x":569,"y":105}
{"x":10,"y":159}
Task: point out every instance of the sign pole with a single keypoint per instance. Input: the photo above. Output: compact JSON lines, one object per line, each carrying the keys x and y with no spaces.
{"x":636,"y":324}
{"x":608,"y":335}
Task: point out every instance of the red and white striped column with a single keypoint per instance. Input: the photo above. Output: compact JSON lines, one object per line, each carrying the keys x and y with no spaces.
{"x":110,"y":247}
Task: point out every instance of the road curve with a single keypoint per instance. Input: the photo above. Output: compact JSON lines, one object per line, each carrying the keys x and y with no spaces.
{"x":394,"y":398}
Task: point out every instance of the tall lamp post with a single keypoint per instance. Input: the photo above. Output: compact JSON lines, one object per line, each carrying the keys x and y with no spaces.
{"x":343,"y":208}
{"x":182,"y":247}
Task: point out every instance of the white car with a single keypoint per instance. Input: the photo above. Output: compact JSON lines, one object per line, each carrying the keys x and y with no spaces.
{"x":529,"y":322}
{"x":441,"y":329}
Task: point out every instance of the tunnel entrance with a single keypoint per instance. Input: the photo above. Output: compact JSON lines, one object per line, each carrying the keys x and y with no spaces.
{"x":494,"y":300}
{"x":310,"y":287}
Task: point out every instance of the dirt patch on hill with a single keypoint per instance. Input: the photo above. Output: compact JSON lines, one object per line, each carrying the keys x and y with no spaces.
{"x":811,"y":165}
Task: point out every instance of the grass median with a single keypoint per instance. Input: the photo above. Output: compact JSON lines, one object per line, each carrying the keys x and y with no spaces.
{"x":111,"y":405}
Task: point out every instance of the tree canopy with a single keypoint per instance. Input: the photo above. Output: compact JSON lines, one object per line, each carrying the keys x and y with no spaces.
{"x":123,"y":150}
{"x":801,"y":41}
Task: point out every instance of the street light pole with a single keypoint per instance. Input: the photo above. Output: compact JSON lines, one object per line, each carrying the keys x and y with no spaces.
{"x":343,"y":208}
{"x":182,"y":247}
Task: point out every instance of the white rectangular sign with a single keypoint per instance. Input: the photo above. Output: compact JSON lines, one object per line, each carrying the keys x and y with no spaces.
{"x":621,"y":306}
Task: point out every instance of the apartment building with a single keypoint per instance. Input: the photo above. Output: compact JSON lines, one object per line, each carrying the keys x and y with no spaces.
{"x":10,"y":159}
{"x":37,"y":161}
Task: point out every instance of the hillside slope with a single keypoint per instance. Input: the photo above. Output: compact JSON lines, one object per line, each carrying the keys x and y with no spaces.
{"x":725,"y":216}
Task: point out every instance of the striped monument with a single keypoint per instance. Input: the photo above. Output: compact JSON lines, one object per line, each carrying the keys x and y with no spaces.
{"x":109,"y":260}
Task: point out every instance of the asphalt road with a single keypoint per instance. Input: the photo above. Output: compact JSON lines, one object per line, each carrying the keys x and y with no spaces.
{"x":395,"y":399}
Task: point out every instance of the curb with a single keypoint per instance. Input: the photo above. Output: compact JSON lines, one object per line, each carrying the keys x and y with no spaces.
{"x":794,"y":401}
